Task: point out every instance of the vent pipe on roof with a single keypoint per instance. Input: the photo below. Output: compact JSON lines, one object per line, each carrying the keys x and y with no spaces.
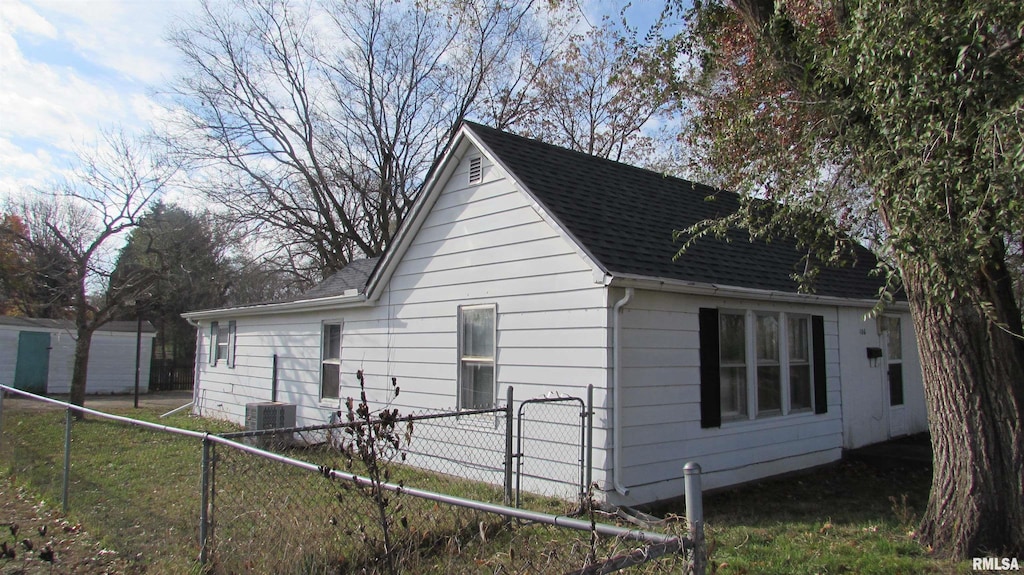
{"x":616,"y":397}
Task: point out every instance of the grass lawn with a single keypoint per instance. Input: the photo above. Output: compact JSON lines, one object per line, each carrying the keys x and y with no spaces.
{"x":138,"y":490}
{"x":852,"y":517}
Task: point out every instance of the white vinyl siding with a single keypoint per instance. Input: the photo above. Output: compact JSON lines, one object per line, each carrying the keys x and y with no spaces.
{"x":661,"y":397}
{"x":480,"y":245}
{"x":867,"y":387}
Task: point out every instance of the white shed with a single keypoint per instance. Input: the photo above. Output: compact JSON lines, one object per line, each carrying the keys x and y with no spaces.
{"x":527,"y":265}
{"x":37,"y":355}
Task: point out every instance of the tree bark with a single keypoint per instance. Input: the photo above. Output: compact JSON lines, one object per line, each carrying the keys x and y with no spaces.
{"x":974,"y":387}
{"x":80,"y":372}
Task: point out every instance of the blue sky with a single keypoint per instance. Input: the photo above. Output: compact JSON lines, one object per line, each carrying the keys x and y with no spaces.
{"x":70,"y":68}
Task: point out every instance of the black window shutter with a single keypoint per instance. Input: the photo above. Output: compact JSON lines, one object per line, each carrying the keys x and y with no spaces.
{"x":818,"y":343}
{"x":710,"y":374}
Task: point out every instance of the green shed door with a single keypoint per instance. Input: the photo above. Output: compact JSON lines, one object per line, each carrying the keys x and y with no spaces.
{"x":33,"y":365}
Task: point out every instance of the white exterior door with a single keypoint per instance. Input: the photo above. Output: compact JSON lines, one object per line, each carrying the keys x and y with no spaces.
{"x":892,"y":347}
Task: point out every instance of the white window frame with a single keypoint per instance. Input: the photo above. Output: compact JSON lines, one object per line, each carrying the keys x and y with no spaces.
{"x":745,"y":364}
{"x":790,"y":363}
{"x":476,"y":360}
{"x":333,"y":362}
{"x":778,"y":362}
{"x":754,"y":411}
{"x":222,"y":349}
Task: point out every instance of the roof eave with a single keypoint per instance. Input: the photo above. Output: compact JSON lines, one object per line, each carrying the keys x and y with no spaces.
{"x":346,"y":300}
{"x":709,"y":289}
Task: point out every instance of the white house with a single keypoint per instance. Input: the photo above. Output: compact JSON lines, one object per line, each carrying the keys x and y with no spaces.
{"x":527,"y":265}
{"x":38,"y":355}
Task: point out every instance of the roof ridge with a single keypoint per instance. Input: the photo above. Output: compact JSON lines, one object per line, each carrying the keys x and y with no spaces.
{"x":584,"y":155}
{"x":626,"y":218}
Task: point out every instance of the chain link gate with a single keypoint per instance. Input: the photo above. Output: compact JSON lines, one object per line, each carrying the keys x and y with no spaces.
{"x":553,"y":447}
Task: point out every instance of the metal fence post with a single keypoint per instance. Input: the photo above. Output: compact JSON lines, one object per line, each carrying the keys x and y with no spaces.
{"x":204,"y":511}
{"x":67,"y":459}
{"x":2,"y":393}
{"x":590,"y":438}
{"x":508,"y":446}
{"x":695,"y":516}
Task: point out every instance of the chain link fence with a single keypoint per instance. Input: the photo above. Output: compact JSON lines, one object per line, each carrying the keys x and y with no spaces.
{"x":510,"y":454}
{"x":176,"y":500}
{"x":552,"y":449}
{"x":455,"y":446}
{"x":272,"y":514}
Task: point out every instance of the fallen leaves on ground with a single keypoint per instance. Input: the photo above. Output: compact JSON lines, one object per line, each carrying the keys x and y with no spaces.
{"x":54,"y":545}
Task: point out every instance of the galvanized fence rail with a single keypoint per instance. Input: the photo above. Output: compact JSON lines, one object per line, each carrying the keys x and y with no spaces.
{"x":259,"y":511}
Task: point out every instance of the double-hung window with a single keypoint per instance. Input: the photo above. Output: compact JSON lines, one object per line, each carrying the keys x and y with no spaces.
{"x":733,"y":365}
{"x":330,"y":363}
{"x":769,"y":368}
{"x":758,"y":364}
{"x":476,"y":356}
{"x":798,"y":337}
{"x":222,"y":343}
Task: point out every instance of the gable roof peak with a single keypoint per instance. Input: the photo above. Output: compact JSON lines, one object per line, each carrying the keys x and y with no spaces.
{"x":625,"y":217}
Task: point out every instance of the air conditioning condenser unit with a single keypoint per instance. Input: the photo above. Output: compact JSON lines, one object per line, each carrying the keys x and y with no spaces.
{"x":269,"y":415}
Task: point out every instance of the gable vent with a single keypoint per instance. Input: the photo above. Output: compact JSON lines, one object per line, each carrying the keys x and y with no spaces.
{"x":475,"y":170}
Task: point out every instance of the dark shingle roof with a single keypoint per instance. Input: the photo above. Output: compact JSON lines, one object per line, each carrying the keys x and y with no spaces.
{"x":625,"y":217}
{"x":352,"y":276}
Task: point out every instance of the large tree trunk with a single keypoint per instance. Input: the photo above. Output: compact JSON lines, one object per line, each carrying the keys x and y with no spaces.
{"x":974,"y":386}
{"x":80,"y":371}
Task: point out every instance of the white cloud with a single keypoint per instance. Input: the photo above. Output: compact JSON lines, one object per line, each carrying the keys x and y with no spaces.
{"x":16,"y":16}
{"x":24,"y":170}
{"x":70,"y":68}
{"x":125,"y":36}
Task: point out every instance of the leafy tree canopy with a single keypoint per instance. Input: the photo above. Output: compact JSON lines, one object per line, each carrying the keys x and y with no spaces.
{"x":902,"y":122}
